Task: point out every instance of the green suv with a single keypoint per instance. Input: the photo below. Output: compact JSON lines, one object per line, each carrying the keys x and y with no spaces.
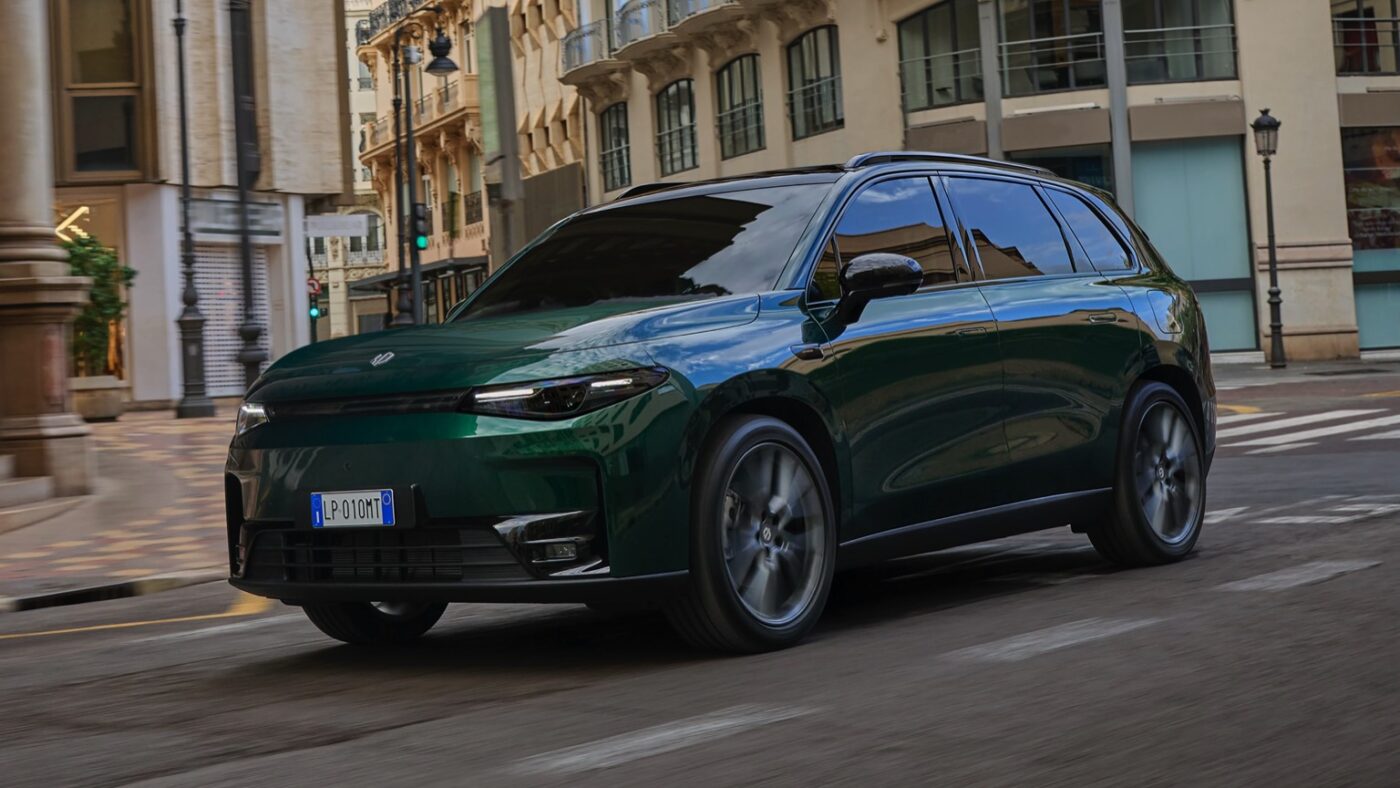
{"x":710,"y":397}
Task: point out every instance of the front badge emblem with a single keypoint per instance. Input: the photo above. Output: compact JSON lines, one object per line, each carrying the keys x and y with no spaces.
{"x":382,"y":359}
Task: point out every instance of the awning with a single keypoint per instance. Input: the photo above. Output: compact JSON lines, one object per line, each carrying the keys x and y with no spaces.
{"x":451,"y":265}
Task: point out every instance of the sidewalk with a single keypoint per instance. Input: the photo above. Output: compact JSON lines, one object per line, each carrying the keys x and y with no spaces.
{"x":158,"y":509}
{"x":1236,"y":376}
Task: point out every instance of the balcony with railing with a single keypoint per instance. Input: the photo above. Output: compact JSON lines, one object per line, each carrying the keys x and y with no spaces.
{"x":740,"y":129}
{"x":1366,"y":45}
{"x":1045,"y":65}
{"x":364,"y":257}
{"x":1180,"y":54}
{"x":383,"y":17}
{"x":640,"y":28}
{"x":941,"y":79}
{"x":685,"y":17}
{"x":587,"y":51}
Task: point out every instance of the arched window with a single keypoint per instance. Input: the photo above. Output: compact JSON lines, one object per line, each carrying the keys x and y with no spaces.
{"x":814,"y":83}
{"x":675,"y":127}
{"x":940,"y":56}
{"x":740,"y":107}
{"x":615,"y":152}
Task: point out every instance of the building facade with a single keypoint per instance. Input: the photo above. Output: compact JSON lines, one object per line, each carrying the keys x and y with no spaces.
{"x":117,"y":164}
{"x":1150,"y":99}
{"x":447,"y":116}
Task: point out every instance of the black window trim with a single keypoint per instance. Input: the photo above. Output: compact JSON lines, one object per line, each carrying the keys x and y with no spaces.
{"x":828,"y":233}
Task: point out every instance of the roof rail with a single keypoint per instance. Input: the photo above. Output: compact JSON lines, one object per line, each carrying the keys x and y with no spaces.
{"x":886,"y":157}
{"x":647,"y":188}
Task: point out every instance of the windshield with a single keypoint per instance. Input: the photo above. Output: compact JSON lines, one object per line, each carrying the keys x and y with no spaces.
{"x":658,"y":252}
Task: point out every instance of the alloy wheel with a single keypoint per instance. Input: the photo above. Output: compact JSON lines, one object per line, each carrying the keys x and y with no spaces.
{"x":1167,"y":472}
{"x":774,"y":533}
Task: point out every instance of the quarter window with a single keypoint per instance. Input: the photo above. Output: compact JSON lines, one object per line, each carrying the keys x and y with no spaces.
{"x":814,"y":83}
{"x":896,"y":217}
{"x":1010,"y":227}
{"x":675,"y":123}
{"x":1103,"y":247}
{"x":740,"y":117}
{"x":614,"y":156}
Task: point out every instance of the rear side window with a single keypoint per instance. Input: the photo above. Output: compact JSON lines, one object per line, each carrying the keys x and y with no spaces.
{"x":1103,"y":247}
{"x":897,"y":216}
{"x":1011,"y":228}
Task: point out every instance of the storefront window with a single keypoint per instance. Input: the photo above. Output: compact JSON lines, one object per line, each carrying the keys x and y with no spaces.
{"x":1371,"y":158}
{"x":1090,"y":164}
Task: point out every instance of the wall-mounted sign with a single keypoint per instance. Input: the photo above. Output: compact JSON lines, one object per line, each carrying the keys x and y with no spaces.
{"x":68,"y":227}
{"x":337,"y":226}
{"x":217,"y":221}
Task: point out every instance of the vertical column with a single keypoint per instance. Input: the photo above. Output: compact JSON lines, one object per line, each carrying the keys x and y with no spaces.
{"x":38,"y":297}
{"x":1119,"y":131}
{"x":988,"y":33}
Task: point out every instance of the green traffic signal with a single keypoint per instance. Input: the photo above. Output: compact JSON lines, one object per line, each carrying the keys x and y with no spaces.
{"x":421,"y":242}
{"x":315,"y":312}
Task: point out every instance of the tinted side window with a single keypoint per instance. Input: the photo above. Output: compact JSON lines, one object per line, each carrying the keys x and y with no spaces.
{"x":1099,"y":242}
{"x":1014,"y":232}
{"x":898,"y":217}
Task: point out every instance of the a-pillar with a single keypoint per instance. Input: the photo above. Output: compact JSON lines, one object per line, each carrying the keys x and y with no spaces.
{"x":38,"y":297}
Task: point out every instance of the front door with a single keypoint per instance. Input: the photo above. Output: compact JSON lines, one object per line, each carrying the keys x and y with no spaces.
{"x":1068,"y":338}
{"x":919,"y":376}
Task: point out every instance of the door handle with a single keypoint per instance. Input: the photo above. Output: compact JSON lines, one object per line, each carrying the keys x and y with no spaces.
{"x":971,"y":331}
{"x":1103,"y":317}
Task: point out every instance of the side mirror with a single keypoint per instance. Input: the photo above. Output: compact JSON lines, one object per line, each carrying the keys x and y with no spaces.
{"x":876,"y":275}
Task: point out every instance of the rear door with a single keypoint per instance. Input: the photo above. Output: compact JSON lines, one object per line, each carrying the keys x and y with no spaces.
{"x":919,"y":375}
{"x":1068,"y":336}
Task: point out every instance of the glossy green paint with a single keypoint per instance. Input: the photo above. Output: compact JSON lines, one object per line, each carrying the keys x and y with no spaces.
{"x":950,"y":400}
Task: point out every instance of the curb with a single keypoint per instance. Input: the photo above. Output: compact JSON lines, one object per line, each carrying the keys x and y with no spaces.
{"x":120,"y":589}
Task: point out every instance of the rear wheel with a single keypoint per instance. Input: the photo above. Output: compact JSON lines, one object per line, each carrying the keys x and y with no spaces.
{"x":1160,"y":490}
{"x":374,"y":623}
{"x":763,"y":540}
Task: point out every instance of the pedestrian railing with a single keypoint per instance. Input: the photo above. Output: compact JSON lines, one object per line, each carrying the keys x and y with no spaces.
{"x":585,"y":45}
{"x":816,"y":107}
{"x":1180,"y":54}
{"x":1366,"y":45}
{"x":1041,"y":65}
{"x":941,"y":79}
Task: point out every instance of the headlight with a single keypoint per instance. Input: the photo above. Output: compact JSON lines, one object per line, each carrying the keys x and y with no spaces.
{"x":563,"y":398}
{"x":250,"y":415}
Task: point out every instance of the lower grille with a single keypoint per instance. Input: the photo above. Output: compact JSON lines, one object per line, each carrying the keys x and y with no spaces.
{"x":380,"y":556}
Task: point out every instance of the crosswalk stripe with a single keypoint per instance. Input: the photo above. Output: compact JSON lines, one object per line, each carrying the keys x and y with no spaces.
{"x":1380,"y":436}
{"x":1296,"y":421}
{"x":1278,"y":449}
{"x":1235,"y":418}
{"x":1322,"y":432}
{"x":1305,"y":574}
{"x":1015,"y":649}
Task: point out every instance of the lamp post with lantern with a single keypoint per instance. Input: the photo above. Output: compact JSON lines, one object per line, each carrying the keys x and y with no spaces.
{"x":1266,"y":143}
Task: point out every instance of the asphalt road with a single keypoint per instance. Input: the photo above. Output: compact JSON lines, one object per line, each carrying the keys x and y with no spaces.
{"x":1268,"y":658}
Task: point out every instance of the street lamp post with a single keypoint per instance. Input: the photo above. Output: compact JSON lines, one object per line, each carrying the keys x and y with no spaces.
{"x":1266,"y":143}
{"x":249,"y":165}
{"x":194,"y":400}
{"x":404,"y":307}
{"x":441,"y":65}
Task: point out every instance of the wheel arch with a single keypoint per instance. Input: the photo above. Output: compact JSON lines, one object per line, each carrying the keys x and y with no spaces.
{"x":1183,"y":383}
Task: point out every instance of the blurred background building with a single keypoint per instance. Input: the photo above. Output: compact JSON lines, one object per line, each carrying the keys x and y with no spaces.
{"x":1150,"y":99}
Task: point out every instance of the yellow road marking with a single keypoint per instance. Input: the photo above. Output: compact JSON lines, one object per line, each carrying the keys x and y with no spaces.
{"x":244,"y":605}
{"x":1238,"y":408}
{"x":1379,"y":394}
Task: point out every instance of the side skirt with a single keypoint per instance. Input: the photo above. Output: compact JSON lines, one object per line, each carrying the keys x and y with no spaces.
{"x":979,"y":526}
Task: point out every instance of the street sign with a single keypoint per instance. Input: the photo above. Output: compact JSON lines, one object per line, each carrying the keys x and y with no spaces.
{"x":338,"y":225}
{"x":313,"y":286}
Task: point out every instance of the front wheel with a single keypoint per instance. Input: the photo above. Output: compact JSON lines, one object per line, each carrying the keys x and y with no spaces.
{"x":374,"y":623}
{"x":763,"y":540}
{"x":1160,"y":489}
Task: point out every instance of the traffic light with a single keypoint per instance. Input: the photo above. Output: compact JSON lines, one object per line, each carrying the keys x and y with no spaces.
{"x":420,"y":226}
{"x":315,"y":311}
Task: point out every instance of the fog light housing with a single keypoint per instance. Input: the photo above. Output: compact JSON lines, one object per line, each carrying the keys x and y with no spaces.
{"x":559,"y":551}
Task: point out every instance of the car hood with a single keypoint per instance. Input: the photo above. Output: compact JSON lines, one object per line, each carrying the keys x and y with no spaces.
{"x":532,"y":346}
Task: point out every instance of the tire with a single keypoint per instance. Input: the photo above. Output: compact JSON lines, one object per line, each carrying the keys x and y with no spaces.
{"x":374,"y":623}
{"x":1159,"y":495}
{"x":779,"y":537}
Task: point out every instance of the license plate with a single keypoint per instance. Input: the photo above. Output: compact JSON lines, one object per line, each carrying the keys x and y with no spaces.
{"x":358,"y":507}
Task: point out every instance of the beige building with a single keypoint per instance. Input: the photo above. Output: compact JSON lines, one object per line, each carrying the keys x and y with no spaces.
{"x":1148,"y":98}
{"x":449,"y":138}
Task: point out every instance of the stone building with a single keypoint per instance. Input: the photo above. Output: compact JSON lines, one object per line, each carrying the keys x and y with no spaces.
{"x":1151,"y":99}
{"x":447,"y":119}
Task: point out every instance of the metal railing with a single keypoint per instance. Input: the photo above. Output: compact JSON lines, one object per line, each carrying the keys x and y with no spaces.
{"x":1366,"y":45}
{"x":364,"y":256}
{"x":1180,"y":54}
{"x":587,"y":44}
{"x":379,"y":130}
{"x":677,"y":10}
{"x":471,"y":207}
{"x":636,"y":20}
{"x":676,"y":150}
{"x":740,"y":129}
{"x":383,"y":17}
{"x":426,"y":107}
{"x":449,"y":96}
{"x":940,"y":79}
{"x":365,"y":83}
{"x":319,"y":259}
{"x":1041,"y":65}
{"x":616,"y":164}
{"x":816,"y":107}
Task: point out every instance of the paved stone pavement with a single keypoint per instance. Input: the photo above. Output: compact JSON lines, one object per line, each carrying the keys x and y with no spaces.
{"x":159,"y":509}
